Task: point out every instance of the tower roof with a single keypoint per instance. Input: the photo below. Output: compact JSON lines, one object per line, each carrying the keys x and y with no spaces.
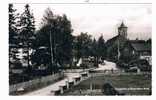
{"x":122,"y":25}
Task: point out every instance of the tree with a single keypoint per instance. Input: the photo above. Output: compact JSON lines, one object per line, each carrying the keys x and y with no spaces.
{"x":64,"y":40}
{"x":14,"y":61}
{"x":94,"y":51}
{"x":83,"y":45}
{"x":101,"y":48}
{"x":27,"y":32}
{"x":94,"y":48}
{"x":149,"y":41}
{"x":42,"y":54}
{"x":12,"y":24}
{"x":55,"y":35}
{"x":13,"y":36}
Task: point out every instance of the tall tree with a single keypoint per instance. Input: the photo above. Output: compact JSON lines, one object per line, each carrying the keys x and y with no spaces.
{"x":84,"y":42}
{"x":101,"y":47}
{"x":14,"y":61}
{"x":27,"y":32}
{"x":63,"y":40}
{"x":55,"y":35}
{"x":94,"y":51}
{"x":13,"y":36}
{"x":12,"y":24}
{"x":94,"y":48}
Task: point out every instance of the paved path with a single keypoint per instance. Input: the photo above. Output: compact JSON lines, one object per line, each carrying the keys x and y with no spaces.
{"x":47,"y":90}
{"x":107,"y":66}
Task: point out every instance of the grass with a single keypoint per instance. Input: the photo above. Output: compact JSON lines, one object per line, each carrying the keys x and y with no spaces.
{"x":117,"y":81}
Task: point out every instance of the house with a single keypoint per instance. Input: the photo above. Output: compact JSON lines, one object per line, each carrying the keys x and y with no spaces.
{"x":139,"y":48}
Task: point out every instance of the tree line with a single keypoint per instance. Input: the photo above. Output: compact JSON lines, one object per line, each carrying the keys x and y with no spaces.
{"x":52,"y":46}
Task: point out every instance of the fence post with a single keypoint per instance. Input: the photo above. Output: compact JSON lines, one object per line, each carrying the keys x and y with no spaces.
{"x":67,"y":84}
{"x":74,"y":80}
{"x":61,"y":89}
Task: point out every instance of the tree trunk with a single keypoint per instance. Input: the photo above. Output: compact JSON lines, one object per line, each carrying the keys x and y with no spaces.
{"x":29,"y":67}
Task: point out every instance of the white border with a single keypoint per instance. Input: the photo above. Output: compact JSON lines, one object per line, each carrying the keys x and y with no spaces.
{"x":4,"y":50}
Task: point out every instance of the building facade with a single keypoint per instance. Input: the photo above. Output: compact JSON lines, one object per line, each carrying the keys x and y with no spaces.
{"x":115,"y":44}
{"x":120,"y":47}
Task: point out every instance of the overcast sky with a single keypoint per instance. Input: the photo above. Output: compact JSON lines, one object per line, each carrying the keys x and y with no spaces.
{"x":98,"y":19}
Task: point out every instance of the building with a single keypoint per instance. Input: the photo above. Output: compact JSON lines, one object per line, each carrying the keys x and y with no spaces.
{"x":115,"y":44}
{"x":139,"y":48}
{"x":120,"y":47}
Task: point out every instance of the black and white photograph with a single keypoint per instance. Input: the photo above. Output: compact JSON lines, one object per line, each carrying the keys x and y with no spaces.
{"x":80,"y":49}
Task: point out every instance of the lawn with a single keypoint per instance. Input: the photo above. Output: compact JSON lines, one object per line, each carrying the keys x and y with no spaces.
{"x":128,"y":82}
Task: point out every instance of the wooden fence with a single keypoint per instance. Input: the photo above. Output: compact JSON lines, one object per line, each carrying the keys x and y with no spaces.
{"x":28,"y":84}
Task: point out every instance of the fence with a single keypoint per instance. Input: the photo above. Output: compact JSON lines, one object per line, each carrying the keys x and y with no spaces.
{"x":77,"y":70}
{"x":116,"y":72}
{"x":46,"y":79}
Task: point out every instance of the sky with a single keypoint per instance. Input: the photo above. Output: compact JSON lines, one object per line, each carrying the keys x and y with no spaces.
{"x":100,"y":19}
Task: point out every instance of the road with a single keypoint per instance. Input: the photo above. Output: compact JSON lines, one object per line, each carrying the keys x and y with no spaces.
{"x":47,"y":90}
{"x":107,"y":66}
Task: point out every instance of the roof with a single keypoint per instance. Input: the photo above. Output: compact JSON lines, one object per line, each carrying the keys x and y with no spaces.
{"x":117,"y":37}
{"x":141,"y":46}
{"x":122,"y":25}
{"x":112,"y":39}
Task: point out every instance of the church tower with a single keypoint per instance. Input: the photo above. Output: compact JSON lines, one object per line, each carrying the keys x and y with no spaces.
{"x":122,"y":30}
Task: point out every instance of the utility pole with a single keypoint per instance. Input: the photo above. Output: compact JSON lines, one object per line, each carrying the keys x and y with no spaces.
{"x":118,"y":51}
{"x":51,"y":49}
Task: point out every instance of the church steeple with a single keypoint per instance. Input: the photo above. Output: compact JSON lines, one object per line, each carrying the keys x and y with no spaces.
{"x":122,"y":25}
{"x":122,"y":30}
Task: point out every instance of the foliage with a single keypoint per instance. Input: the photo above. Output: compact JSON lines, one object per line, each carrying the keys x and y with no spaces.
{"x":27,"y":26}
{"x":12,"y":24}
{"x":13,"y":37}
{"x":101,"y":48}
{"x":55,"y":35}
{"x":83,"y":45}
{"x":27,"y":32}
